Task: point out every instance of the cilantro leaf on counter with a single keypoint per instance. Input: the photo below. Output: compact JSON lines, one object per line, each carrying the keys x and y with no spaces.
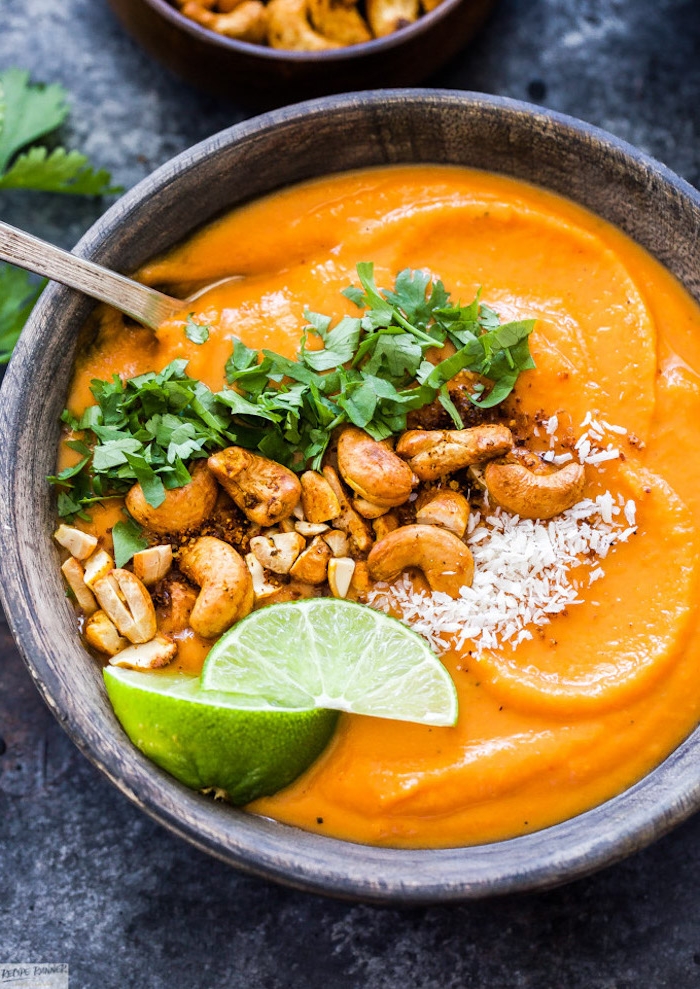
{"x":18,"y":294}
{"x":371,"y":372}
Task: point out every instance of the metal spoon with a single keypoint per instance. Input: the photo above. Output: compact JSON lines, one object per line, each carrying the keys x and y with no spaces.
{"x":145,"y":305}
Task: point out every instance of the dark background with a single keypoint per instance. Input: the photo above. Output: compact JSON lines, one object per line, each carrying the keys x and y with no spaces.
{"x":88,"y":880}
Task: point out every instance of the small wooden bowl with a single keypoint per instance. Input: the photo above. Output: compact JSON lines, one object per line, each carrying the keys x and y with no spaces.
{"x":260,"y":76}
{"x":619,"y":183}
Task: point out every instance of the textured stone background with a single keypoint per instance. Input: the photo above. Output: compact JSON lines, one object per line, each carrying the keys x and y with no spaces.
{"x":87,"y":879}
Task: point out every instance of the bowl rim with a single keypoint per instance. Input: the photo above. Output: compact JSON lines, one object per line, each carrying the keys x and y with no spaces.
{"x":165,"y":9}
{"x":563,"y":852}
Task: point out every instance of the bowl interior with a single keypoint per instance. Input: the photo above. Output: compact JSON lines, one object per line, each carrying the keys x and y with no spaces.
{"x":656,"y":208}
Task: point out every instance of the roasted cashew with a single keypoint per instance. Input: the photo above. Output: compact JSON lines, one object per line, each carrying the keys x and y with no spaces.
{"x":318,"y":499}
{"x":152,"y":564}
{"x":102,"y":634}
{"x":348,"y":521}
{"x":78,"y":543}
{"x":183,"y":508}
{"x":289,"y":27}
{"x":386,"y":16}
{"x":226,"y":587}
{"x":532,"y":495}
{"x":247,"y":21}
{"x":435,"y":452}
{"x":446,"y":508}
{"x":445,"y":560}
{"x":152,"y":655}
{"x":339,"y":20}
{"x":128,"y":604}
{"x":265,"y":491}
{"x":372,"y":470}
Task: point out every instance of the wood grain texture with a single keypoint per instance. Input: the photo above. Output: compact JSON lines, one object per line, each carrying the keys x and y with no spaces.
{"x":658,"y":209}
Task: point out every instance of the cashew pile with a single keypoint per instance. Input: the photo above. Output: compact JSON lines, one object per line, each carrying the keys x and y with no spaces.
{"x":305,"y":25}
{"x":247,"y":531}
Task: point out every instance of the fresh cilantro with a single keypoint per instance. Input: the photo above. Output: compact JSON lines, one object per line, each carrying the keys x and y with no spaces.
{"x":127,"y":540}
{"x":28,"y":113}
{"x":372,"y":371}
{"x":196,"y":332}
{"x":18,"y":293}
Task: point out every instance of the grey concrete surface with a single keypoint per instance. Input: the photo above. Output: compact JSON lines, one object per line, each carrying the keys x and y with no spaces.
{"x":85,"y":878}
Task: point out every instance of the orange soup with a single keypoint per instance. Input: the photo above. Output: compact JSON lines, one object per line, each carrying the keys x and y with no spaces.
{"x":576,"y":654}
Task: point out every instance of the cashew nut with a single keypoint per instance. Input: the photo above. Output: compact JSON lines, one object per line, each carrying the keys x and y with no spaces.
{"x":339,"y":20}
{"x":78,"y":543}
{"x":367,"y":510}
{"x":128,"y":604}
{"x":97,"y":566}
{"x":152,"y":564}
{"x":180,"y":599}
{"x":289,"y":27}
{"x":226,"y":587}
{"x":340,"y":573}
{"x":311,"y":567}
{"x":532,"y":495}
{"x":446,"y":508}
{"x":432,"y":453}
{"x":444,"y":559}
{"x":265,"y":491}
{"x":384,"y":525}
{"x":318,"y":499}
{"x":102,"y":634}
{"x":386,"y":16}
{"x":182,"y":509}
{"x":348,"y":521}
{"x":372,"y":469}
{"x":152,"y":655}
{"x":278,"y":551}
{"x":247,"y":21}
{"x":75,"y":577}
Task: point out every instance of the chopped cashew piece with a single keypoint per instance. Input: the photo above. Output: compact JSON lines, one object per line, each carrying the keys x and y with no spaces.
{"x":337,"y":541}
{"x":372,"y":470}
{"x":340,"y":571}
{"x":431,"y":453}
{"x":264,"y":490}
{"x":534,"y":495}
{"x":148,"y":655}
{"x":182,"y":508}
{"x":102,"y":634}
{"x":246,"y":22}
{"x":445,"y":560}
{"x":151,"y":565}
{"x":226,"y":587}
{"x":310,"y":528}
{"x":128,"y":604}
{"x":181,"y":600}
{"x":312,"y":566}
{"x":387,"y":16}
{"x":447,"y":508}
{"x":289,"y":27}
{"x":384,"y":525}
{"x":367,"y":510}
{"x":261,"y":588}
{"x":73,"y":572}
{"x":279,"y":551}
{"x":348,"y":521}
{"x":339,"y":20}
{"x":97,"y":567}
{"x":361,"y":581}
{"x":78,"y":543}
{"x":318,"y":500}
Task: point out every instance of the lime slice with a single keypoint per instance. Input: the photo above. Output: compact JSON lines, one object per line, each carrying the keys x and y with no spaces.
{"x":205,"y":740}
{"x":330,"y":653}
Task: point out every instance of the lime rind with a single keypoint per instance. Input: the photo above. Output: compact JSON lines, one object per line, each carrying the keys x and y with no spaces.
{"x":334,"y":654}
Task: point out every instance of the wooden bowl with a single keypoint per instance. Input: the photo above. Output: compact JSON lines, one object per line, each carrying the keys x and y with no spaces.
{"x":264,"y":77}
{"x":624,"y":186}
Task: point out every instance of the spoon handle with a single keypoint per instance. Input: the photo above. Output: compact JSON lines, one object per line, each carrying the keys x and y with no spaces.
{"x":145,"y":305}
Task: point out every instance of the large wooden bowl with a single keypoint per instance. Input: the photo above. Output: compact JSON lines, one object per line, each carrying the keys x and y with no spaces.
{"x":264,"y":77}
{"x":652,"y":205}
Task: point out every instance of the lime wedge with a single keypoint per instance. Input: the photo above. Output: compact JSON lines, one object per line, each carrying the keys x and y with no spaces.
{"x":205,"y":740}
{"x":330,"y":653}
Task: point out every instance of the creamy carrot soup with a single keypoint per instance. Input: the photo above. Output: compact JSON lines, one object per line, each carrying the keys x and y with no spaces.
{"x":575,"y":651}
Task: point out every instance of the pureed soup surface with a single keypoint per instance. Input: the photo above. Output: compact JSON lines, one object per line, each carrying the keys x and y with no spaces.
{"x":597,"y":696}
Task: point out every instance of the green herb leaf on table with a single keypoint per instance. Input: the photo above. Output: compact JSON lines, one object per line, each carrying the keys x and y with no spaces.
{"x":371,"y":372}
{"x":18,"y":294}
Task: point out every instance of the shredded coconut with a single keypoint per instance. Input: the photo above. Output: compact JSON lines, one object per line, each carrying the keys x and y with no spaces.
{"x":525,"y":571}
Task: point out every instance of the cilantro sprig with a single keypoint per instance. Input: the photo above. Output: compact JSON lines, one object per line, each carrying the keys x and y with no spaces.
{"x":371,"y":371}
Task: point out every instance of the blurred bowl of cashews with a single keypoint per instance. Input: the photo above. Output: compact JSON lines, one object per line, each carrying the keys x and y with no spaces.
{"x":266,"y":53}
